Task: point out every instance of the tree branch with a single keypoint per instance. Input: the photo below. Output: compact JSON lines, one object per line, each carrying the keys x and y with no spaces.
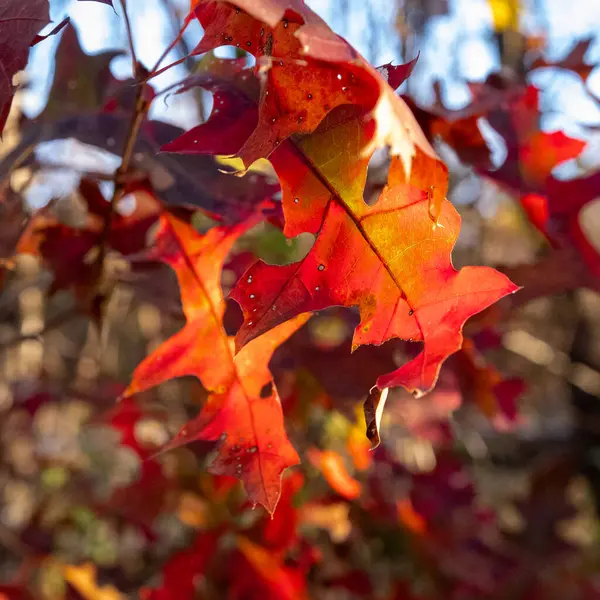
{"x":134,"y":60}
{"x":177,"y":40}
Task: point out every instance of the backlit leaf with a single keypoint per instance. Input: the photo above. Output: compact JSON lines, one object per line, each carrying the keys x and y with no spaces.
{"x":243,"y":411}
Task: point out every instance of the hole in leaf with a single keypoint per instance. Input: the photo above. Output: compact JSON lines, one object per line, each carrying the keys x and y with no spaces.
{"x":233,"y":317}
{"x":270,"y":245}
{"x":377,"y":174}
{"x":266,"y":390}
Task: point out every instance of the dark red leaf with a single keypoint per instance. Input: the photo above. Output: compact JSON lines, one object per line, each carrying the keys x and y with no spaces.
{"x":19,"y":24}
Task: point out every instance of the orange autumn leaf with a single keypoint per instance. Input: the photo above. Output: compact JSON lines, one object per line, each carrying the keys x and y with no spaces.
{"x":334,"y":470}
{"x":243,"y":411}
{"x":359,"y":449}
{"x":542,"y":151}
{"x":410,"y":518}
{"x":273,"y":578}
{"x":83,"y":579}
{"x":358,"y":444}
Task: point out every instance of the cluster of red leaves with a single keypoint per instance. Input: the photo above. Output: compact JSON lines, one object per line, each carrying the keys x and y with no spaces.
{"x":556,"y":207}
{"x":391,"y":259}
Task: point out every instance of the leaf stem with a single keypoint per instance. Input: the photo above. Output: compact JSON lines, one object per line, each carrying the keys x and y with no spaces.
{"x":170,"y":47}
{"x":155,"y":73}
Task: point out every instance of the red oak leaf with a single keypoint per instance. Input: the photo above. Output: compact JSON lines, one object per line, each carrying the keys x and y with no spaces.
{"x":243,"y":410}
{"x":459,"y":130}
{"x":182,"y":569}
{"x":280,"y":531}
{"x":81,"y":81}
{"x":234,"y":114}
{"x":67,"y":251}
{"x":532,"y":153}
{"x":482,"y":385}
{"x":574,"y":61}
{"x":260,"y":573}
{"x":396,"y":75}
{"x":392,"y":260}
{"x":571,"y":206}
{"x":565,"y":216}
{"x":540,"y":152}
{"x":19,"y":24}
{"x":299,"y":47}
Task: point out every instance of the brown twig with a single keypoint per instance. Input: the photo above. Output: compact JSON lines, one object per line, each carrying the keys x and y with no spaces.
{"x":139,"y":112}
{"x":155,"y":73}
{"x":134,"y":60}
{"x":178,"y":38}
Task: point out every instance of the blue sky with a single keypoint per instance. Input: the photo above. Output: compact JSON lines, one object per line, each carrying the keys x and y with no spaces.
{"x":453,"y":43}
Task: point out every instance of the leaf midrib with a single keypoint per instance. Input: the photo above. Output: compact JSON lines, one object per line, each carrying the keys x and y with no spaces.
{"x":225,"y":341}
